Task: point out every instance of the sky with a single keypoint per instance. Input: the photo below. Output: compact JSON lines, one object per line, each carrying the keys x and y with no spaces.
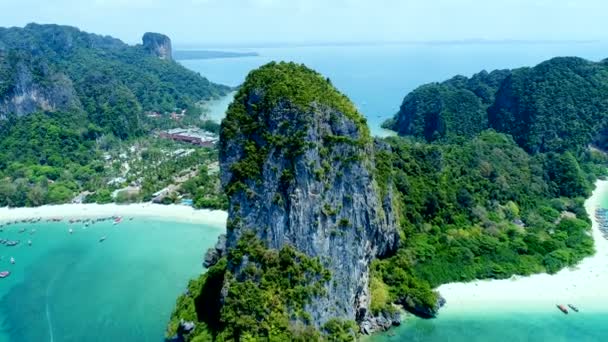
{"x":258,"y":22}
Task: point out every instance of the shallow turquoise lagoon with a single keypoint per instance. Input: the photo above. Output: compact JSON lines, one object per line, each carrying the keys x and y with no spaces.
{"x":74,"y":288}
{"x":496,"y":326}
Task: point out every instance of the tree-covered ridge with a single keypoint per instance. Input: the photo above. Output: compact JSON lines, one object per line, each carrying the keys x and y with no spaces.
{"x":483,"y":209}
{"x":558,"y":105}
{"x":45,"y":158}
{"x":110,"y":83}
{"x":456,"y":107}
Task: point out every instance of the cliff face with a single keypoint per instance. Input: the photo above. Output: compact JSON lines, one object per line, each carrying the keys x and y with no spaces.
{"x":157,"y":45}
{"x":297,"y":162}
{"x":31,"y":86}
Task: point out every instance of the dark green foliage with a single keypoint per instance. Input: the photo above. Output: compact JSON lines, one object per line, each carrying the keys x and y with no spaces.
{"x":447,"y":110}
{"x":205,"y":191}
{"x":566,"y":176}
{"x":157,"y":84}
{"x":458,"y":201}
{"x":458,"y":204}
{"x":340,"y":331}
{"x":265,"y":303}
{"x":41,"y":159}
{"x":558,"y":105}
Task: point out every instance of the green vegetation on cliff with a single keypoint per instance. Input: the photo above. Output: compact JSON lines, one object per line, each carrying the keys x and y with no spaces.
{"x":558,"y":105}
{"x":265,"y":304}
{"x":288,"y":126}
{"x":445,"y":111}
{"x":298,"y":91}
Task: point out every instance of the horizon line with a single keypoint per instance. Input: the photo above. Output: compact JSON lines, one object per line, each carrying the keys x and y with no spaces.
{"x":472,"y":41}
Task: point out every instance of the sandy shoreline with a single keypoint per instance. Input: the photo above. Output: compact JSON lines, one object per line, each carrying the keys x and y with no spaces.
{"x":175,"y":213}
{"x":583,"y":285}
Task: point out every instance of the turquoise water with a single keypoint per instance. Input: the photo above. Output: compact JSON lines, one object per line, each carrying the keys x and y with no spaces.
{"x":482,"y":327}
{"x":377,"y":77}
{"x":74,"y":288}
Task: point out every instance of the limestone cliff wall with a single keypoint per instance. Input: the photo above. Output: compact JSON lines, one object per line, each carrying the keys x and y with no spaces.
{"x":315,"y":190}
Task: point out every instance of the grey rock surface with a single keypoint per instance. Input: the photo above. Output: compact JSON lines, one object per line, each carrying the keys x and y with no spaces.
{"x":39,"y":90}
{"x":331,"y":208}
{"x":158,"y":45}
{"x":215,"y":253}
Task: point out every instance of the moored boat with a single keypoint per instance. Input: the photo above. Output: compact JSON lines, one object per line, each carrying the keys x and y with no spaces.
{"x":4,"y":274}
{"x":562,"y":308}
{"x":574,"y":308}
{"x":103,"y":238}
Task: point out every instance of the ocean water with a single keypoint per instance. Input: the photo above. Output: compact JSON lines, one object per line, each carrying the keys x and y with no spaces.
{"x":74,"y":288}
{"x":551,"y":326}
{"x":377,"y":78}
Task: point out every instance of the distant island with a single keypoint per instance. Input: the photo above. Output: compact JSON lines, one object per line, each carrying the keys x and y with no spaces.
{"x":184,"y":55}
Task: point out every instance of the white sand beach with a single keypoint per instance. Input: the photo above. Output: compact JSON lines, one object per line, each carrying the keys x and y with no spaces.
{"x":177,"y":213}
{"x":584,"y":285}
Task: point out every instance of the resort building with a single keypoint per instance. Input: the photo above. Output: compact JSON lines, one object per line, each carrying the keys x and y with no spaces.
{"x":193,"y":136}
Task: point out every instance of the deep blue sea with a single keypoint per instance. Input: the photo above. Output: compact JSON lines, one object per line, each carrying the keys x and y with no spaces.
{"x":377,"y":78}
